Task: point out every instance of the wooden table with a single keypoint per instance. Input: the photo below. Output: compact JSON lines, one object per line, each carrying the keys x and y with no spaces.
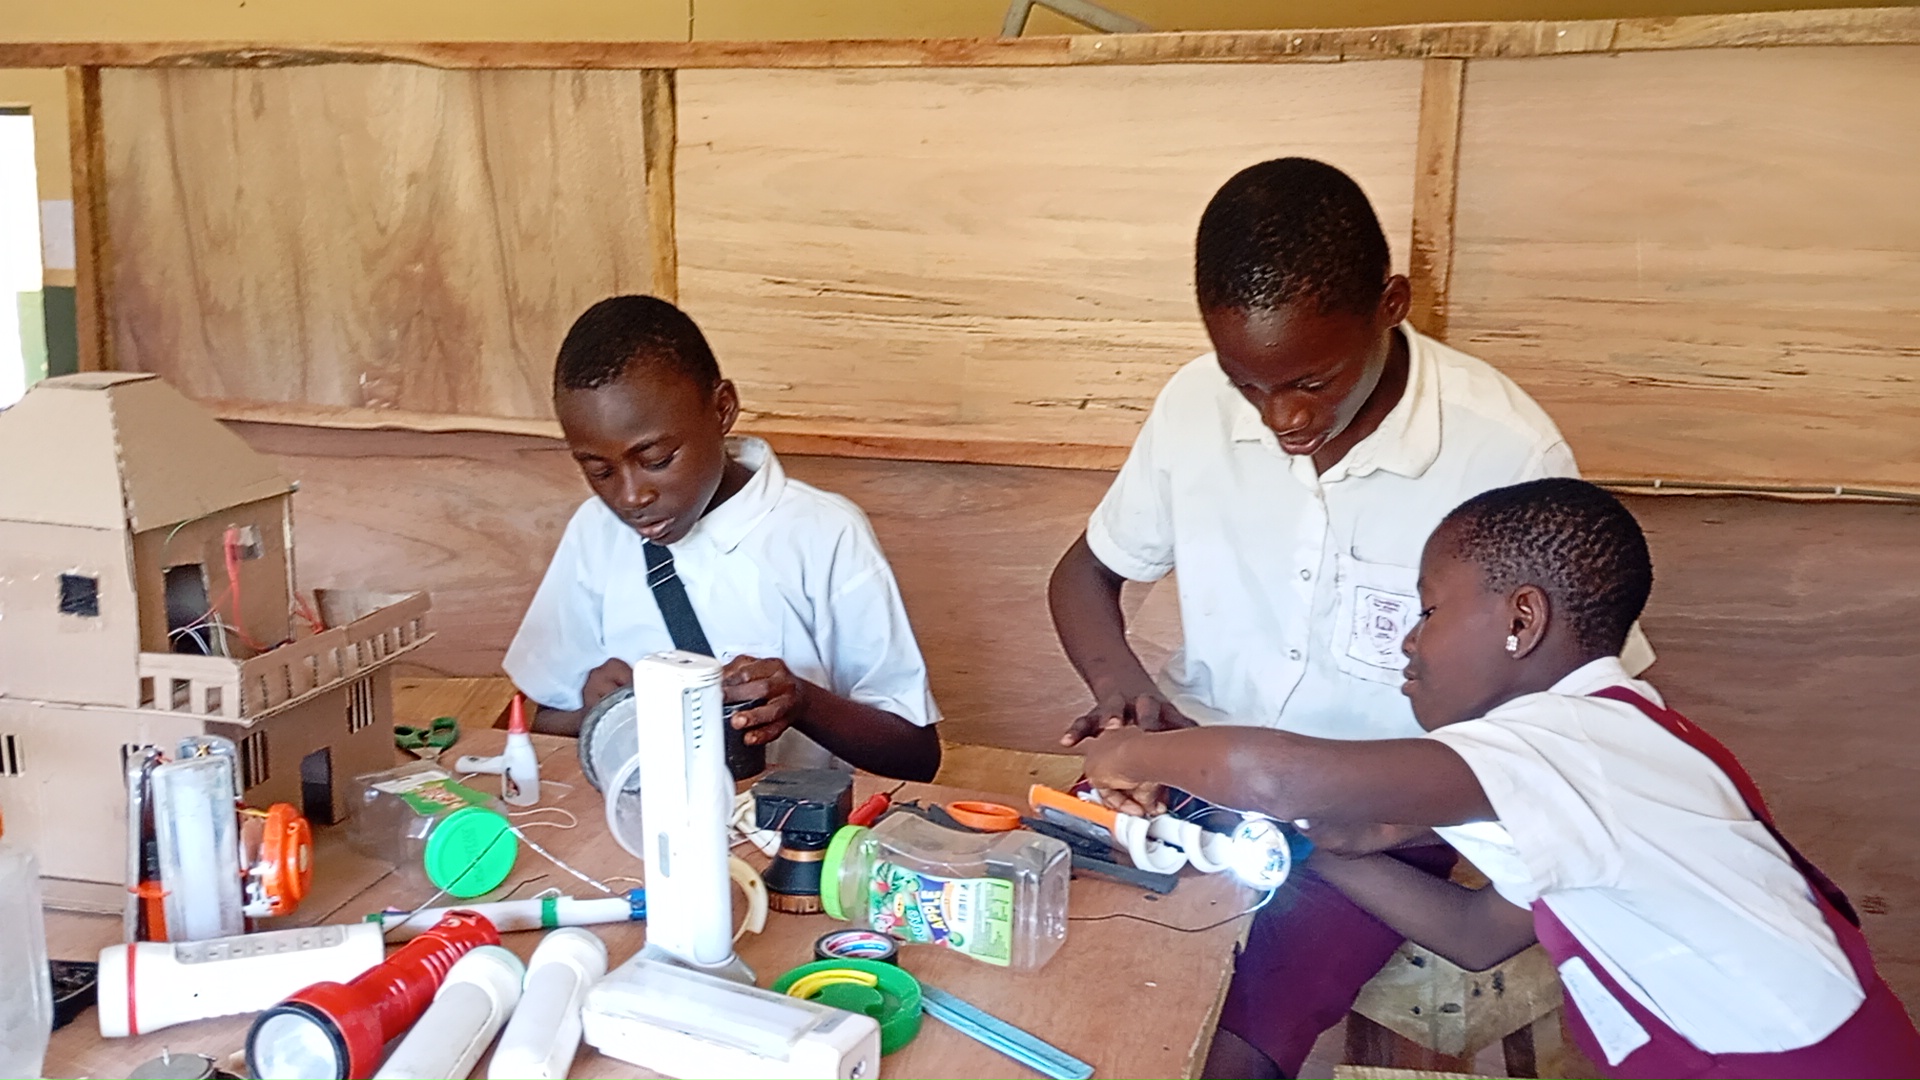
{"x":1131,"y":997}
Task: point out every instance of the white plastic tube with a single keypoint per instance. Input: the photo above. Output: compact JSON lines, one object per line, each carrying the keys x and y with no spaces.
{"x":199,"y":839}
{"x":479,"y":993}
{"x":544,"y":1034}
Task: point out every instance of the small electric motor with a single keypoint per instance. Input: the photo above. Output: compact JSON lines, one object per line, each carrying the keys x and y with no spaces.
{"x":805,"y":806}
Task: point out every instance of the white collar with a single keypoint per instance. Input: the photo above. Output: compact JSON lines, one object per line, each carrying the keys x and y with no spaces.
{"x":1407,"y":441}
{"x":726,"y":525}
{"x":1592,"y":675}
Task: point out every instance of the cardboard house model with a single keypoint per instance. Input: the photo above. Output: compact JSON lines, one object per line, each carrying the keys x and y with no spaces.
{"x":146,"y":594}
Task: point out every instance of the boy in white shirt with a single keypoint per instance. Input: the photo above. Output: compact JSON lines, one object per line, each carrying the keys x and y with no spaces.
{"x":1290,"y":477}
{"x":1691,"y":938}
{"x":786,"y":581}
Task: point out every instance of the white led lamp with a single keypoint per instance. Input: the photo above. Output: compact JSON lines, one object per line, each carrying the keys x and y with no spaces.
{"x":686,"y":799}
{"x":681,"y":1022}
{"x":199,"y":841}
{"x":1256,"y":850}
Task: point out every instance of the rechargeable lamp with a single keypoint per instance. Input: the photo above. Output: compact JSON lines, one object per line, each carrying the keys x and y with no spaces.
{"x":338,"y":1030}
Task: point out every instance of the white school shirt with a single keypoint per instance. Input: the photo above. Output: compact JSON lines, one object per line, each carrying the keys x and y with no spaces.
{"x":782,"y":569}
{"x":1295,"y":588}
{"x":1649,"y":856}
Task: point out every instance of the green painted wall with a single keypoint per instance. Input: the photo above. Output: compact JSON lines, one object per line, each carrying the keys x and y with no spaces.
{"x":62,"y":344}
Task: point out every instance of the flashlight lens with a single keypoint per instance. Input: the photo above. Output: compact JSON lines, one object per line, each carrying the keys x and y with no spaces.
{"x":290,"y":1045}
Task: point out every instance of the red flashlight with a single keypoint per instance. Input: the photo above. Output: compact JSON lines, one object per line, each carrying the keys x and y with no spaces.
{"x":337,"y":1030}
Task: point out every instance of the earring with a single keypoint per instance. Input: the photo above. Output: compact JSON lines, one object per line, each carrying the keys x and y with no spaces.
{"x":1513,"y":643}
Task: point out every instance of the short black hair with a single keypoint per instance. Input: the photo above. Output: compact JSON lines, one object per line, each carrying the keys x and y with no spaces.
{"x":1286,"y":230}
{"x":1573,"y":540}
{"x":613,"y":336}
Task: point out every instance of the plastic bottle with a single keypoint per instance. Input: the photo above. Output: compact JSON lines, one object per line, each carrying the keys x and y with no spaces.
{"x":521,"y":786}
{"x":439,"y":833}
{"x":518,"y":767}
{"x":997,"y":897}
{"x":26,"y":986}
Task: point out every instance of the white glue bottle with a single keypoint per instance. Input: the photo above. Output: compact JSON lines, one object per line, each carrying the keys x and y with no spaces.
{"x":544,"y":1035}
{"x":520,"y":784}
{"x":518,"y":768}
{"x":26,"y":988}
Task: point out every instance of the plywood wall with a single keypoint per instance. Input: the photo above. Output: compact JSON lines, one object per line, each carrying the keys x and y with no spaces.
{"x":990,"y":254}
{"x":1703,"y":261}
{"x":384,"y":236}
{"x":1703,"y":264}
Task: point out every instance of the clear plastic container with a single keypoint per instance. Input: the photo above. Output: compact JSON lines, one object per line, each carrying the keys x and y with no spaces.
{"x":26,"y":987}
{"x":997,"y":897}
{"x":434,"y":829}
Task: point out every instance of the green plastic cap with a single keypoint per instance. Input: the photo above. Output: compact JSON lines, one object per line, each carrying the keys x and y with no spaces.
{"x":830,"y":869}
{"x":471,"y":852}
{"x":894,"y":1000}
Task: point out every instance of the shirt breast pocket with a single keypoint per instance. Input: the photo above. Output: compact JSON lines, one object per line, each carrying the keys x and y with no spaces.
{"x":1377,"y":604}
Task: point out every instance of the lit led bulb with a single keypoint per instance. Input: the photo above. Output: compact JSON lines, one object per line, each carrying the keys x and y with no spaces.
{"x":1260,"y":855}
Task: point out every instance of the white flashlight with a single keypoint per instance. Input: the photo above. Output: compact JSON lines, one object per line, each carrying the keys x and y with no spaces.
{"x":544,"y":1034}
{"x":149,"y":985}
{"x":479,"y":992}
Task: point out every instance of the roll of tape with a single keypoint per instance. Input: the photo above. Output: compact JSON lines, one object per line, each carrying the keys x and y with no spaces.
{"x":857,"y":945}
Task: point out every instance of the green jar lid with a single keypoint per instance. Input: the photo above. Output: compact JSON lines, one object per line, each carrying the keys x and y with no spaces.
{"x":471,"y":852}
{"x":894,"y":1000}
{"x":830,"y":869}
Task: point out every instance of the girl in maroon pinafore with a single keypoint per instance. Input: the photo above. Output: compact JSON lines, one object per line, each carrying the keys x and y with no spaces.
{"x":1692,"y":940}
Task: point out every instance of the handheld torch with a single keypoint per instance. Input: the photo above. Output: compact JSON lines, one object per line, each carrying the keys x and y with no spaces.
{"x":337,"y":1030}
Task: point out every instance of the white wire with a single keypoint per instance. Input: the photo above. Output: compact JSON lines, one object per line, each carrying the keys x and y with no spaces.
{"x":555,"y":859}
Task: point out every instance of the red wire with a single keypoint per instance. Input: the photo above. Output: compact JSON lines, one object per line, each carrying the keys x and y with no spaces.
{"x":231,"y":542}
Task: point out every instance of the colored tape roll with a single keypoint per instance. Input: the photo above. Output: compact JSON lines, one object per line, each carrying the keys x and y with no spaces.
{"x":984,"y":816}
{"x":856,"y":945}
{"x":882,"y":991}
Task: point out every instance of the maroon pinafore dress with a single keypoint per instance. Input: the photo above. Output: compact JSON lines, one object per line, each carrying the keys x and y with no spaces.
{"x":1878,"y":1040}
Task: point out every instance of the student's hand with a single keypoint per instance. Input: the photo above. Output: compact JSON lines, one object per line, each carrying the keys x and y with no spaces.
{"x":749,"y":678}
{"x":1351,"y":840}
{"x":1146,"y":710}
{"x":604,"y":680}
{"x":1109,"y":767}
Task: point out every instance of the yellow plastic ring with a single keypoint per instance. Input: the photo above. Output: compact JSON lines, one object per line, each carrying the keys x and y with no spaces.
{"x":808,"y":985}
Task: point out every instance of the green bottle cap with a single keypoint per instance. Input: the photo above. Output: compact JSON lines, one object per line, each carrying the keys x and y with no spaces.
{"x":894,"y":1000}
{"x":471,"y":852}
{"x":830,"y":869}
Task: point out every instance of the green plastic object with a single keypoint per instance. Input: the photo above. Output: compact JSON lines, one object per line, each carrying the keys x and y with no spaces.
{"x":471,"y":852}
{"x":894,"y":1002}
{"x":830,"y":869}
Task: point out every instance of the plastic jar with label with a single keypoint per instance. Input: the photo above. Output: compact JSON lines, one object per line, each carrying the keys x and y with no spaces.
{"x":998,"y":897}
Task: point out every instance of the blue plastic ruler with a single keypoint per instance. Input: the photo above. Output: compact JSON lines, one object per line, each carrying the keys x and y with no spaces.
{"x":1042,"y":1057}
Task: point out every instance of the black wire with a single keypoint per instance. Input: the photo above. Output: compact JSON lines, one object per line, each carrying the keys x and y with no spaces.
{"x":1169,"y":926}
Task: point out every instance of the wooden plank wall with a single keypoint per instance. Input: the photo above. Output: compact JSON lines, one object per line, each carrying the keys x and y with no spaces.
{"x":977,"y":256}
{"x":1703,"y":264}
{"x":377,"y":236}
{"x":1699,"y":254}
